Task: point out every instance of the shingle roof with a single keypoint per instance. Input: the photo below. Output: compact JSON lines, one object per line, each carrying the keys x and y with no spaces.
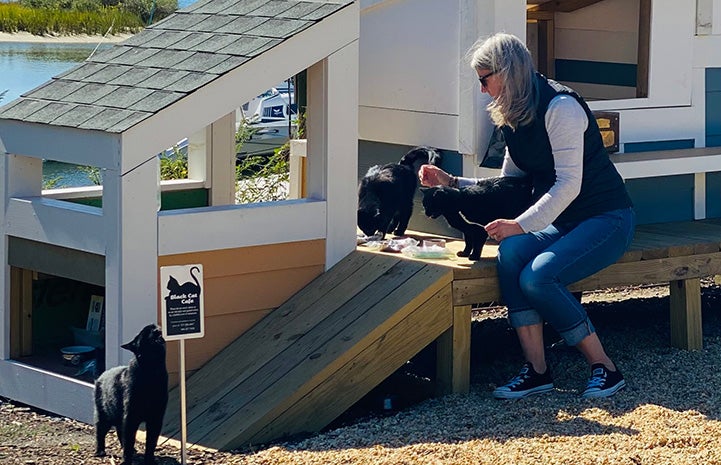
{"x":127,"y":83}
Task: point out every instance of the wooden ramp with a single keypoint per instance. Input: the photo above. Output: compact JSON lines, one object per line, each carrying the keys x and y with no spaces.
{"x":316,"y":355}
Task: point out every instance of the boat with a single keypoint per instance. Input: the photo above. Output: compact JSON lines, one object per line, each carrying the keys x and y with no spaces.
{"x":272,"y":119}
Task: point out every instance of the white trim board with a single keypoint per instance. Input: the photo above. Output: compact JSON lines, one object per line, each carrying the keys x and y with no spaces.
{"x":634,"y":169}
{"x":46,"y":390}
{"x":57,"y":222}
{"x":214,"y":228}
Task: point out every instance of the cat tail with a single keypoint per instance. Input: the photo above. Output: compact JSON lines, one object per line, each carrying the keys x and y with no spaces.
{"x":421,"y":155}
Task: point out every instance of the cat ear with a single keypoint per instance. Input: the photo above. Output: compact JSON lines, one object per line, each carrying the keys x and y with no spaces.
{"x":132,"y":345}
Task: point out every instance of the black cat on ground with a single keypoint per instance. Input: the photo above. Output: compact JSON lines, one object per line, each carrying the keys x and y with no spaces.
{"x":469,"y":208}
{"x":385,"y":194}
{"x":126,"y":396}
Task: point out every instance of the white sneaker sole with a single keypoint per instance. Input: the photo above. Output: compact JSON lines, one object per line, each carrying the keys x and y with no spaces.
{"x":501,"y":393}
{"x":605,"y":392}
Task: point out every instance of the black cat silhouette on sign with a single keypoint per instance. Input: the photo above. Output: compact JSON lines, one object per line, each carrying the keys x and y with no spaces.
{"x":183,"y":301}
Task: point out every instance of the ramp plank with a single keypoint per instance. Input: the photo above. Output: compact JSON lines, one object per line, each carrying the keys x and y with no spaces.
{"x":274,"y":333}
{"x":350,"y":382}
{"x":316,"y":355}
{"x":273,"y":369}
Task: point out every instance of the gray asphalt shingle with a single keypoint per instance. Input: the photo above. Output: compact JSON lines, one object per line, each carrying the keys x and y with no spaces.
{"x":121,"y":86}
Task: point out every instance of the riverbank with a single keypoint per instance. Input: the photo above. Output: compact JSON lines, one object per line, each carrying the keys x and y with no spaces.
{"x":61,"y":39}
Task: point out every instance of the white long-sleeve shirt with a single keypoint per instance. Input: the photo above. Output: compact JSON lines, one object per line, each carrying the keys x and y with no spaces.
{"x":566,"y":122}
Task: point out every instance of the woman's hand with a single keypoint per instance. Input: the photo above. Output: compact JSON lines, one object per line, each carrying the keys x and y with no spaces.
{"x":431,"y":176}
{"x":501,"y":229}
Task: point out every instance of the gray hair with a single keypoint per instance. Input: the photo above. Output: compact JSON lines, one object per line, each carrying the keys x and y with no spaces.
{"x":508,"y":57}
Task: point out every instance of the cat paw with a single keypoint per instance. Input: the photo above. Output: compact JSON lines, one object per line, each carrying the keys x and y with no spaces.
{"x":463,"y":253}
{"x":100,"y":453}
{"x":474,"y":257}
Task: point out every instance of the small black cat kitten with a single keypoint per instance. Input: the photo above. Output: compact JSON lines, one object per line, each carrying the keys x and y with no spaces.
{"x":126,"y":396}
{"x":469,"y":208}
{"x":385,"y":194}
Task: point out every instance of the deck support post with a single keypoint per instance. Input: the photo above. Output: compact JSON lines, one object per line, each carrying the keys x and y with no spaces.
{"x":685,"y":300}
{"x":453,"y":350}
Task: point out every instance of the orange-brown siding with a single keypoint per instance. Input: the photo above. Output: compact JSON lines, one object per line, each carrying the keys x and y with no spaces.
{"x":240,"y":287}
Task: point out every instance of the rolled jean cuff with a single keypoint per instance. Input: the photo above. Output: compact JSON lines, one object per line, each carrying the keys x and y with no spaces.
{"x":524,"y":317}
{"x":580,"y":332}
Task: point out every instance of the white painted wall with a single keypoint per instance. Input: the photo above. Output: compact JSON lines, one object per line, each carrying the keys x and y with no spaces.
{"x":410,"y":95}
{"x":415,"y":83}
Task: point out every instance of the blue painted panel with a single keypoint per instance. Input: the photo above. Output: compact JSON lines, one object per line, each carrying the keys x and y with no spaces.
{"x":713,"y":195}
{"x":713,"y":113}
{"x":668,"y":198}
{"x":713,"y":79}
{"x":596,"y":72}
{"x":713,"y":141}
{"x":631,"y":147}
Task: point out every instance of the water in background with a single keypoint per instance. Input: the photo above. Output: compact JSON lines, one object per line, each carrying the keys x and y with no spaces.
{"x":27,"y":65}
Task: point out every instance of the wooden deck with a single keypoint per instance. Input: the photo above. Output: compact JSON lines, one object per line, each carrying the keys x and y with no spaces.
{"x":321,"y":351}
{"x":679,"y":253}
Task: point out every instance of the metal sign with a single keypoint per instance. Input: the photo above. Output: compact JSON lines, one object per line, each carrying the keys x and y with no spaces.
{"x":182,"y":304}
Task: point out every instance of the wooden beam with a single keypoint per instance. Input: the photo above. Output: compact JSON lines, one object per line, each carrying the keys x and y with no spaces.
{"x":453,"y":354}
{"x":685,"y":300}
{"x":644,"y":41}
{"x":26,"y":317}
{"x":15,"y":311}
{"x":663,"y":270}
{"x":546,"y":47}
{"x":21,"y":312}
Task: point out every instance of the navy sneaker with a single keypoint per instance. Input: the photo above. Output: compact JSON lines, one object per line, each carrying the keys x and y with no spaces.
{"x":603,"y":382}
{"x":526,"y":383}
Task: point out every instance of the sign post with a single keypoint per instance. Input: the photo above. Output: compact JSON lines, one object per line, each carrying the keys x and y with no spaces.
{"x":182,"y":318}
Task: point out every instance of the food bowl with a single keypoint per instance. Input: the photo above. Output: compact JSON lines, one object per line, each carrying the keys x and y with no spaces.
{"x":75,"y":355}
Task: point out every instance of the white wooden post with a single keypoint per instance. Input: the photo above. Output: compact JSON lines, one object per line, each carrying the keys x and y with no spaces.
{"x":332,"y":131}
{"x":21,"y":177}
{"x":211,"y":157}
{"x":130,"y":209}
{"x":4,"y":268}
{"x":478,"y":19}
{"x":198,"y":158}
{"x":297,"y":163}
{"x":222,"y":155}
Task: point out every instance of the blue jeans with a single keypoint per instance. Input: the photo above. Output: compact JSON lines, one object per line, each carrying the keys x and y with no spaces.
{"x":535,"y":268}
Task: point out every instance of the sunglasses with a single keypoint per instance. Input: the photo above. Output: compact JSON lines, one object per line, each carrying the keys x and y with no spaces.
{"x":484,"y":79}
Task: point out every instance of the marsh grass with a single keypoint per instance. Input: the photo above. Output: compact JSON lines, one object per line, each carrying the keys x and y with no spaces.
{"x":41,"y":21}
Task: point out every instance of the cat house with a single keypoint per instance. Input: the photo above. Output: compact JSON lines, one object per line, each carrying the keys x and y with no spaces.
{"x":182,"y":78}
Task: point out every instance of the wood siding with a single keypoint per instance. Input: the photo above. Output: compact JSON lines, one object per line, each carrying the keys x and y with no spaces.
{"x":240,"y":287}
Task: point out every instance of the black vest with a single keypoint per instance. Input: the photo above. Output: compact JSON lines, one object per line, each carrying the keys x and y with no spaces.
{"x":602,"y":188}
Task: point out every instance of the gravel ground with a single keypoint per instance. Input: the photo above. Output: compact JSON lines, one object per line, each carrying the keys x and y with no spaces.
{"x":670,"y":412}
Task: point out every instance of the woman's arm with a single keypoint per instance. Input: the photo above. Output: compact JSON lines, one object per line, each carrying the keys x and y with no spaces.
{"x":566,"y":121}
